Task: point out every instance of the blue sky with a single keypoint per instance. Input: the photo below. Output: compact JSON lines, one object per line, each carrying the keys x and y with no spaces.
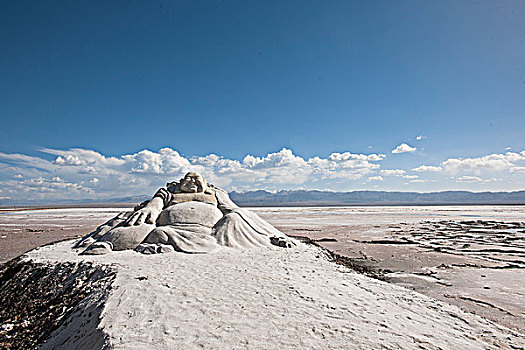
{"x":244,"y":79}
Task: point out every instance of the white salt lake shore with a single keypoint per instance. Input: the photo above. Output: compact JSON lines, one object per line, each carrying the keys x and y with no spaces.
{"x":265,"y":298}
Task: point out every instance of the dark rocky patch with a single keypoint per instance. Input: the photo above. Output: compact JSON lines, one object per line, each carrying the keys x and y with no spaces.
{"x":37,"y":298}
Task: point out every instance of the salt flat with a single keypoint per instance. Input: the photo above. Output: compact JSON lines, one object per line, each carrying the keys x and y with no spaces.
{"x":280,"y":216}
{"x":291,"y":216}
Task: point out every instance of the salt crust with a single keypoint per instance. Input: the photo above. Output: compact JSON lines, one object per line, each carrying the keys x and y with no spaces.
{"x":269,"y":298}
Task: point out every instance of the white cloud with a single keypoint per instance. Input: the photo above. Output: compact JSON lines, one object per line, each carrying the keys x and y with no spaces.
{"x":394,"y":172}
{"x":398,"y":173}
{"x":27,"y":161}
{"x":166,"y":161}
{"x":476,"y":179}
{"x":46,"y":187}
{"x":469,"y":179}
{"x":420,"y":137}
{"x":145,"y":171}
{"x":491,"y":162}
{"x":79,"y":173}
{"x":345,"y":165}
{"x":79,"y":156}
{"x":417,"y":181}
{"x":88,"y":170}
{"x":429,"y":168}
{"x":282,"y":159}
{"x":403,"y":148}
{"x":69,"y":160}
{"x":281,"y":167}
{"x":375,"y":178}
{"x":346,"y":156}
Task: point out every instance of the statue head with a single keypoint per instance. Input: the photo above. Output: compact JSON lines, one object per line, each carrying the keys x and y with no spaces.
{"x":193,"y":183}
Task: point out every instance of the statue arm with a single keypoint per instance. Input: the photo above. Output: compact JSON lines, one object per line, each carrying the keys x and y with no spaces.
{"x":224,"y":203}
{"x":151,"y":211}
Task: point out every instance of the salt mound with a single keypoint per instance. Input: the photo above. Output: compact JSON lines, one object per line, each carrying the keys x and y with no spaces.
{"x":268,"y":298}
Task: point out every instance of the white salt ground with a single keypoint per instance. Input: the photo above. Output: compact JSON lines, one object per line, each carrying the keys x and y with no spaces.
{"x":270,"y":299}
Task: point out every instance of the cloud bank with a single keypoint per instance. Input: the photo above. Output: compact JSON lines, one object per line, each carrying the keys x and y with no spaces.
{"x":491,"y":162}
{"x":79,"y":173}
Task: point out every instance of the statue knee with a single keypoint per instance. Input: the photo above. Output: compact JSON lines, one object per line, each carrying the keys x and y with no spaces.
{"x":157,"y":236}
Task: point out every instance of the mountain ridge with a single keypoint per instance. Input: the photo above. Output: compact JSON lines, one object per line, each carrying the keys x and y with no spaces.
{"x":317,"y":197}
{"x":328,"y":198}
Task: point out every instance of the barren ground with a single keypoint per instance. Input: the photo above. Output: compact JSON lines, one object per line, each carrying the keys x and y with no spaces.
{"x":469,"y":256}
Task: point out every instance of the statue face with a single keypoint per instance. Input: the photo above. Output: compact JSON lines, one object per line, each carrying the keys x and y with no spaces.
{"x":193,"y":183}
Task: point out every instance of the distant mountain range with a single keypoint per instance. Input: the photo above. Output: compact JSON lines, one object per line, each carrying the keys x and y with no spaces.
{"x":326,"y":198}
{"x":322,"y":198}
{"x":110,"y":202}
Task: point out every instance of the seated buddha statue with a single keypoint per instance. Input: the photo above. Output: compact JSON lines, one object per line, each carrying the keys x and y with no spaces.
{"x":188,"y":216}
